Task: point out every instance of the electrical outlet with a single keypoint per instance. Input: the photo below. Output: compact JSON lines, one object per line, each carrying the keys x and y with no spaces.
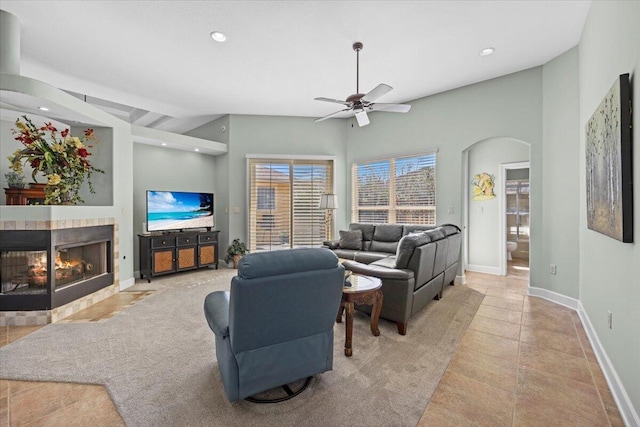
{"x":552,"y":269}
{"x":610,"y":319}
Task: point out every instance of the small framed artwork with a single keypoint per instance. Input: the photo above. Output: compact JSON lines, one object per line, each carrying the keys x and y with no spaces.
{"x":608,"y":163}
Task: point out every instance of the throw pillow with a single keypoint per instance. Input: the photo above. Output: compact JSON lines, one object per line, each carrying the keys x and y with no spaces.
{"x":351,"y":239}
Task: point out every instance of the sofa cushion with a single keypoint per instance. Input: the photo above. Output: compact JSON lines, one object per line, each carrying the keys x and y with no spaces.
{"x":351,"y":239}
{"x":387,"y":233}
{"x":389,"y":262}
{"x":449,"y":229}
{"x":386,"y":238}
{"x":367,"y":230}
{"x":378,"y":271}
{"x":368,"y":257}
{"x":435,"y":234}
{"x":407,"y":245}
{"x":415,"y":228}
{"x":387,"y":247}
{"x":345,"y":253}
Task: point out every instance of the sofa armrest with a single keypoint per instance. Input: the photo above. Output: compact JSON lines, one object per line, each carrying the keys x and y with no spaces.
{"x":216,"y":310}
{"x":331,"y":244}
{"x":378,"y":271}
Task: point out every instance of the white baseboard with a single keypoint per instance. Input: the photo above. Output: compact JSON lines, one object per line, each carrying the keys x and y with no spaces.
{"x":460,"y":280}
{"x":124,"y":284}
{"x":564,"y":300}
{"x":626,"y":408}
{"x":484,"y":269}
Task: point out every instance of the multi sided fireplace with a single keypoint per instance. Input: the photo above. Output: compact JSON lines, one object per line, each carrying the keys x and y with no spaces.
{"x":45,"y":269}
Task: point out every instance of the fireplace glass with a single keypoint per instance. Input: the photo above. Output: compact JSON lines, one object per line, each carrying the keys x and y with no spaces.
{"x":79,"y":263}
{"x":23,"y":272}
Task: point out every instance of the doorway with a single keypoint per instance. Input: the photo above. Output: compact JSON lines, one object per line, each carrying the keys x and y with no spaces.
{"x":515,"y":189}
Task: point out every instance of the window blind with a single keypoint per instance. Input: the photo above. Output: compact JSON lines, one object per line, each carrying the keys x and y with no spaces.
{"x":283,"y":203}
{"x":397,"y":190}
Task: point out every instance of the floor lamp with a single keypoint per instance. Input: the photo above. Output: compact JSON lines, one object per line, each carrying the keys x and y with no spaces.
{"x":329,"y":202}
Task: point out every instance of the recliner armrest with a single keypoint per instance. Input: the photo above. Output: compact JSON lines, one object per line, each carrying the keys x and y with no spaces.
{"x":378,"y":271}
{"x":216,"y":310}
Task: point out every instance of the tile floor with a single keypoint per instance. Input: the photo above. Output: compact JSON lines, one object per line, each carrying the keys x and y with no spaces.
{"x":523,"y":362}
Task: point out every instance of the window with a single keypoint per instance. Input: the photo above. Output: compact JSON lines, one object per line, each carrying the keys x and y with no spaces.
{"x":266,"y":198}
{"x":283,"y":203}
{"x":398,"y":190}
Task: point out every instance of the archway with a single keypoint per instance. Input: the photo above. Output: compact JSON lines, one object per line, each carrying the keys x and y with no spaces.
{"x":484,"y":235}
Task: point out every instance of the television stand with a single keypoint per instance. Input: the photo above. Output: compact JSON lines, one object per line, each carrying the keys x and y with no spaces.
{"x":177,"y":251}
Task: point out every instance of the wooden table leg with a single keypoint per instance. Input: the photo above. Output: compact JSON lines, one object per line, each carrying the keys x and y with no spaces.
{"x":375,"y":312}
{"x":340,"y":310}
{"x":349,"y":329}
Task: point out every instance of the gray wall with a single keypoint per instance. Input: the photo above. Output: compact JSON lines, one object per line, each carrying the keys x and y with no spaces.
{"x":262,"y":135}
{"x":609,"y":278}
{"x":158,"y":168}
{"x":484,"y":215}
{"x":220,"y":131}
{"x":506,"y":107}
{"x":560,"y":182}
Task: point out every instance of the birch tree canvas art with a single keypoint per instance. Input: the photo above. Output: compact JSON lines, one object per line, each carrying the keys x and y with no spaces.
{"x":608,"y":163}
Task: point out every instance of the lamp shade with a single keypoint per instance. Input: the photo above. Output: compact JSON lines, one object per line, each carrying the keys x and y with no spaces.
{"x":328,"y":201}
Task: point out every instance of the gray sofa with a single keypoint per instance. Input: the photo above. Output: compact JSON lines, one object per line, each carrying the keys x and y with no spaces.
{"x":415,"y":262}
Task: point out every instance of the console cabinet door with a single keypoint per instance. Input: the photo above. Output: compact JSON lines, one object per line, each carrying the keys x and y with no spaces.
{"x":207,"y":255}
{"x":186,"y":257}
{"x":162,"y":261}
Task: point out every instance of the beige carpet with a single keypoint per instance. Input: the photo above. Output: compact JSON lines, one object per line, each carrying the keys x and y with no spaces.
{"x":157,"y":360}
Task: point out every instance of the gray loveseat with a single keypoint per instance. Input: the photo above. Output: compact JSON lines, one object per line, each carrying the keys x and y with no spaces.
{"x":415,"y":262}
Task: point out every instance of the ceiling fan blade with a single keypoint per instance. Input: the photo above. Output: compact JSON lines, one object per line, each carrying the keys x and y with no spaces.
{"x":392,"y":108}
{"x":337,"y":101}
{"x":376,"y":93}
{"x":337,"y":113}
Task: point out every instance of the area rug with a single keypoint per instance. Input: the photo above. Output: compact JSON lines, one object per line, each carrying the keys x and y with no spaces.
{"x":157,"y":360}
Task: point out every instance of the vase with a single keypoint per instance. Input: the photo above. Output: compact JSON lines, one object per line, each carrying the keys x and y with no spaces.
{"x":65,"y":199}
{"x":236,"y":259}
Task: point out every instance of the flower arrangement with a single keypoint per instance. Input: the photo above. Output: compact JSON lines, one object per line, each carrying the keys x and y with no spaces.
{"x":61,"y":157}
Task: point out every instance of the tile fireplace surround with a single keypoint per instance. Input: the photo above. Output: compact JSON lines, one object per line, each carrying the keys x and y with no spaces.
{"x":43,"y":317}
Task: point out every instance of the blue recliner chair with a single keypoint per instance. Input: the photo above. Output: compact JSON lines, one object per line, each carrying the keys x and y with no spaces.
{"x":275,"y":326}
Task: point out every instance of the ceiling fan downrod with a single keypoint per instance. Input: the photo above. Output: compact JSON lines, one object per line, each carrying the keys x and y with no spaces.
{"x":357,"y":46}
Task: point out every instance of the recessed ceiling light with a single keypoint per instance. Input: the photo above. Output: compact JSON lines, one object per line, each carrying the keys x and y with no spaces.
{"x":487,"y":51}
{"x":43,"y":109}
{"x":164,"y":144}
{"x":218,"y":36}
{"x":196,"y":149}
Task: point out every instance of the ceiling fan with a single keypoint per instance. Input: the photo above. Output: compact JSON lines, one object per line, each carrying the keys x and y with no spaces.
{"x":358,"y":104}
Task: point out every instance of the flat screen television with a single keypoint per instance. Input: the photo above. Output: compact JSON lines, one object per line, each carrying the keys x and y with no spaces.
{"x":179,"y":210}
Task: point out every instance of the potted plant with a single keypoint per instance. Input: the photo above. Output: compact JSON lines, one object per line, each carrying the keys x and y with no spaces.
{"x":14,"y":179}
{"x":235,"y":252}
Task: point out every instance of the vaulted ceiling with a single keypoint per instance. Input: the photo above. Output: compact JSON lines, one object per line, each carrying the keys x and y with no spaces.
{"x":154,"y":63}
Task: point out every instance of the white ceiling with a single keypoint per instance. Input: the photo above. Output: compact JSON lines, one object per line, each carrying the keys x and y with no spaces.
{"x":157,"y":57}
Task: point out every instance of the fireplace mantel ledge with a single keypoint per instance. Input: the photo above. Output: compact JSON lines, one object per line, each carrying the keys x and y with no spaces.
{"x":12,"y":214}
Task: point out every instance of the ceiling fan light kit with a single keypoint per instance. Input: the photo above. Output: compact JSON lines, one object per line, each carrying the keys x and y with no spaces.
{"x":358,"y":104}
